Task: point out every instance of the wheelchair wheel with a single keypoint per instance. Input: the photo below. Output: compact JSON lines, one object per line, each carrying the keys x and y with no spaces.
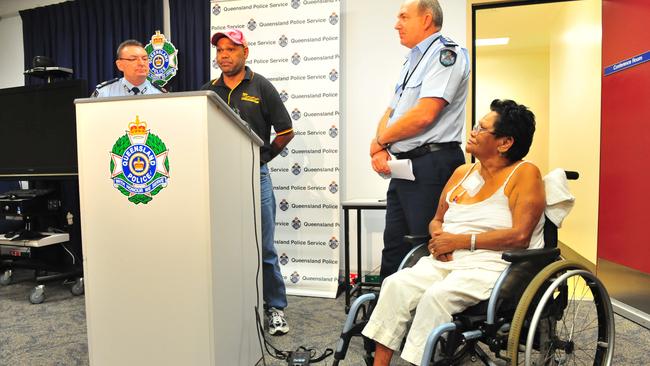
{"x":452,"y":357}
{"x":572,"y":323}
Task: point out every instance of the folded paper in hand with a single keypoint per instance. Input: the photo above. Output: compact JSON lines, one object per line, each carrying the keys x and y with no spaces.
{"x":401,"y":169}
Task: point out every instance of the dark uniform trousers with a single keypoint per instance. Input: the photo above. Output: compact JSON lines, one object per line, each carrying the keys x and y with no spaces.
{"x":410,"y":205}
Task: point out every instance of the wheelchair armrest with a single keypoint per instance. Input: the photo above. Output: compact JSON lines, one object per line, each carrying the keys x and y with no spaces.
{"x":417,"y":239}
{"x":544,"y":254}
{"x":419,"y":244}
{"x":414,"y":256}
{"x":525,"y":264}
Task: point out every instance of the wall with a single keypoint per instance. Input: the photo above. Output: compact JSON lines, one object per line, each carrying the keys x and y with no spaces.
{"x":625,"y":147}
{"x":524,"y":77}
{"x":575,"y":54}
{"x":11,"y":41}
{"x":623,"y":250}
{"x":11,"y":7}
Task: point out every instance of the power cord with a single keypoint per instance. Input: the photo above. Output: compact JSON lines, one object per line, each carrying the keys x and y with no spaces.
{"x":302,"y":356}
{"x":257,"y":247}
{"x":305,"y":356}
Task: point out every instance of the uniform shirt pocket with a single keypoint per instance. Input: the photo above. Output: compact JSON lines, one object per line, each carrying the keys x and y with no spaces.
{"x":409,"y":97}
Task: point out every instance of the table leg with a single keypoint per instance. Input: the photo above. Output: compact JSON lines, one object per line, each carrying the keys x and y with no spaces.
{"x":360,"y":272}
{"x":346,"y":280}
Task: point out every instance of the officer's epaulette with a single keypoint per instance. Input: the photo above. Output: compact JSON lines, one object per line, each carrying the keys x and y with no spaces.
{"x":162,"y":90}
{"x":448,"y":42}
{"x":107,"y":82}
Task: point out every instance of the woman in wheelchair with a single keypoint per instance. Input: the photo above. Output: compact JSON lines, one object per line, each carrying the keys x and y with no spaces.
{"x":486,"y":208}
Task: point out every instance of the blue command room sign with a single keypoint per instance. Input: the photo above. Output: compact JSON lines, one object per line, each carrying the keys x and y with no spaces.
{"x":626,"y":64}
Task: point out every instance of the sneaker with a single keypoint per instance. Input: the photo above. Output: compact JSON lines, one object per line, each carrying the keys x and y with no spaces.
{"x":277,"y":322}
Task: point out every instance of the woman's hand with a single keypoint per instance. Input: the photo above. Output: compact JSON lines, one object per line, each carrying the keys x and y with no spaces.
{"x":445,"y":257}
{"x":442,"y":245}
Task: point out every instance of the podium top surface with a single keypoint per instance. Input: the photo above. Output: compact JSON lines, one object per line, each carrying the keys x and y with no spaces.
{"x":212,"y":96}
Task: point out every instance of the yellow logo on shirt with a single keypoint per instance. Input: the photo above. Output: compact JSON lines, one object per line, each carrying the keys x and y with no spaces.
{"x":250,"y":98}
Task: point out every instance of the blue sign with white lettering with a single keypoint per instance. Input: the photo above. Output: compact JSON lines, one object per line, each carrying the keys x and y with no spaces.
{"x":626,"y":64}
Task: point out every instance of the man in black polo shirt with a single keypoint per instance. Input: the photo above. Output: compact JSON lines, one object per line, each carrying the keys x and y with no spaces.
{"x":257,"y":102}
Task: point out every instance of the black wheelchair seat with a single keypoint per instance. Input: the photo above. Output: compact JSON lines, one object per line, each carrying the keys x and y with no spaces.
{"x":525,"y":264}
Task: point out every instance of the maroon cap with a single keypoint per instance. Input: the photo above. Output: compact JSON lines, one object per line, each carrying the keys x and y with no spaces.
{"x":234,"y":35}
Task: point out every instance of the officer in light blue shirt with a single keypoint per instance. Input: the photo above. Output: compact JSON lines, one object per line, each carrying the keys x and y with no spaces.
{"x":133,"y":62}
{"x":423,"y":123}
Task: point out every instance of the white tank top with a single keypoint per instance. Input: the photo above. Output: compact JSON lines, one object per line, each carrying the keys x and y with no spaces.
{"x":493,"y":213}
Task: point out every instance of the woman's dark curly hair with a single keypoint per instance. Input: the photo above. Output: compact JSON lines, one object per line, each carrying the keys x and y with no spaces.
{"x":516,"y":121}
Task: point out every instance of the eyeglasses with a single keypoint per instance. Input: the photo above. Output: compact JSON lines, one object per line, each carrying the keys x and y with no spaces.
{"x":134,"y":59}
{"x":478,"y":129}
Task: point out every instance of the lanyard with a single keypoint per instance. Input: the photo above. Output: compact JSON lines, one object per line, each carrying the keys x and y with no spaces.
{"x":407,"y":77}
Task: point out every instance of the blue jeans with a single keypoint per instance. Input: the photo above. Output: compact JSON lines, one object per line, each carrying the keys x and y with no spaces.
{"x":275,"y":293}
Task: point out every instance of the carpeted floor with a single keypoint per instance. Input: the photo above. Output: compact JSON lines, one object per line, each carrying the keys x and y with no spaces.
{"x":54,"y":333}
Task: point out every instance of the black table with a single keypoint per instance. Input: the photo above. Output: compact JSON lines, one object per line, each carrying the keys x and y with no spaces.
{"x":358,"y":205}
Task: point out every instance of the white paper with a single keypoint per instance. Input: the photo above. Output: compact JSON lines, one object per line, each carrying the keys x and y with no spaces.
{"x":401,"y":169}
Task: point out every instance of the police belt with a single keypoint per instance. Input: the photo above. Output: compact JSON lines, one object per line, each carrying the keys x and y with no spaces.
{"x":426,"y":149}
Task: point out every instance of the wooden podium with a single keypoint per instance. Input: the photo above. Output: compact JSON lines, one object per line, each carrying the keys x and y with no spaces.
{"x":169,"y":192}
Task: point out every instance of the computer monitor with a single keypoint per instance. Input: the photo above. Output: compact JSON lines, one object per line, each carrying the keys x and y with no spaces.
{"x":38,"y":134}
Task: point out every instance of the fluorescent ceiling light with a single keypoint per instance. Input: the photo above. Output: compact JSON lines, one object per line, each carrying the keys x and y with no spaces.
{"x":492,"y":41}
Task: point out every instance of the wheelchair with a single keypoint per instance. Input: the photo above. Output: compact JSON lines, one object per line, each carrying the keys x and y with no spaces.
{"x":543,"y":310}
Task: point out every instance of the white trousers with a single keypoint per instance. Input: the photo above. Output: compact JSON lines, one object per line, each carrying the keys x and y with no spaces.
{"x":435,"y":291}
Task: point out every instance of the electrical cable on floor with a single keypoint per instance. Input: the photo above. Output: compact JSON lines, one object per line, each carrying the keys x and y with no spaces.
{"x":277,"y":354}
{"x":257,"y":247}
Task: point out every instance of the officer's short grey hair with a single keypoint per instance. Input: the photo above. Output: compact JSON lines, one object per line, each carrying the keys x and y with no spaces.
{"x":128,"y":42}
{"x":434,"y":7}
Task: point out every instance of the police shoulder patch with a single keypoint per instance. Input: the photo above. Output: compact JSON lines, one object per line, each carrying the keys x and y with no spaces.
{"x":447,"y":42}
{"x":447,"y":57}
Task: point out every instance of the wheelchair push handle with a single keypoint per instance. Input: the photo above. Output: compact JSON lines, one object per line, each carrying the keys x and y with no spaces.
{"x":571,"y":175}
